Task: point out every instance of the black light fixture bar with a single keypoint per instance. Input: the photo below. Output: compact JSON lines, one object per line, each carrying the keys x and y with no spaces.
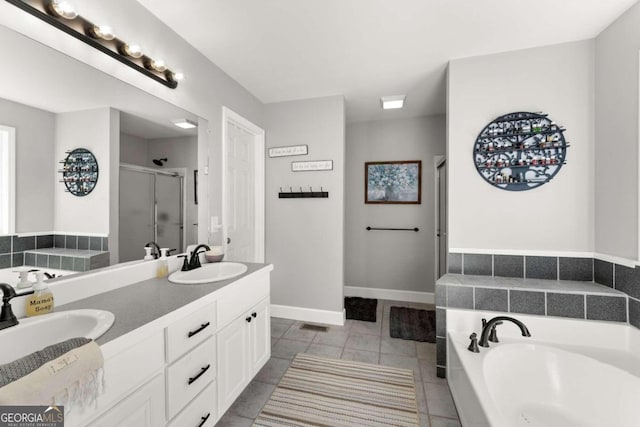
{"x":79,"y":28}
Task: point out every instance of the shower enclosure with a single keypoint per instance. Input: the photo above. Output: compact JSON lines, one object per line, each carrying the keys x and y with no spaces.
{"x":151,"y":209}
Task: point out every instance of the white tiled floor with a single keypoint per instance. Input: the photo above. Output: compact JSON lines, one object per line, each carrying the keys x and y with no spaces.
{"x":362,"y":341}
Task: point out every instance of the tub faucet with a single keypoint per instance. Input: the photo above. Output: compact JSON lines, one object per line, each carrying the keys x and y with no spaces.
{"x":7,"y":318}
{"x":489,"y":326}
{"x":194,"y":262}
{"x":156,"y":249}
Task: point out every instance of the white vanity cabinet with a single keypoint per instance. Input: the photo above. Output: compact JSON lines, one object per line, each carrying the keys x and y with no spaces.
{"x":244,"y":346}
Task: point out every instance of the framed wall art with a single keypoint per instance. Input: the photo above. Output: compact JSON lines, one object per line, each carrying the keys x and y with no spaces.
{"x":397,"y":182}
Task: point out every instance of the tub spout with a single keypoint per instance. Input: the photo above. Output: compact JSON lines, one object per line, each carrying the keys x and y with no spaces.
{"x":487,"y":328}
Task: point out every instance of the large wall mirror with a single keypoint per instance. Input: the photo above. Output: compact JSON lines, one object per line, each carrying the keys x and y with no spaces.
{"x":57,"y":104}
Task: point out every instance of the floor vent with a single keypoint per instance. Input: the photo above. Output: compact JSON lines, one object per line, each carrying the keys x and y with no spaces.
{"x":316,"y":328}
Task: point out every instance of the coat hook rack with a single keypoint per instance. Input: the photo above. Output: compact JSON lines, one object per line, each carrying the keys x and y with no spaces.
{"x":303,"y":194}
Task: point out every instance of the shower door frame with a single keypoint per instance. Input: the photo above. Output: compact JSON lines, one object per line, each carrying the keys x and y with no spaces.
{"x":171,"y":172}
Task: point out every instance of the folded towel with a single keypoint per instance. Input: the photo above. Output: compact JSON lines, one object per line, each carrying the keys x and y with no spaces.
{"x":68,"y":373}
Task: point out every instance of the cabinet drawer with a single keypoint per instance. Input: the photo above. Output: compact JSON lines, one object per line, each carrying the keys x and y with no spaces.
{"x":189,"y":375}
{"x":191,"y":330}
{"x":201,"y":412}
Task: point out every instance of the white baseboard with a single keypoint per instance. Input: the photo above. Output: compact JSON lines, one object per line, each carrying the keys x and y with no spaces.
{"x":308,"y":314}
{"x":389,"y":294}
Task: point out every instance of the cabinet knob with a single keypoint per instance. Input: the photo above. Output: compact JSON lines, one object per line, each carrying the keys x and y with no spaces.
{"x":248,"y":319}
{"x":254,"y":314}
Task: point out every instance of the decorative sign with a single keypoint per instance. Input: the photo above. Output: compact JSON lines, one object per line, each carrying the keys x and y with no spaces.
{"x":294,"y":150}
{"x":79,"y":172}
{"x":318,"y":165}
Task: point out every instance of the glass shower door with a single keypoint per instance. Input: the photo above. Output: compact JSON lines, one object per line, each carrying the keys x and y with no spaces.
{"x":169,"y":224}
{"x":137,"y":222}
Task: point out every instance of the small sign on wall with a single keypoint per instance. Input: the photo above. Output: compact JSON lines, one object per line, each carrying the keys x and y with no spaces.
{"x":294,"y":150}
{"x":317,"y":165}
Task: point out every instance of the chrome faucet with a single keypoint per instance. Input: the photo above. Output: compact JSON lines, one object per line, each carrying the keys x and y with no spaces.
{"x":489,"y":328}
{"x":7,"y":318}
{"x":194,"y":262}
{"x":156,"y":249}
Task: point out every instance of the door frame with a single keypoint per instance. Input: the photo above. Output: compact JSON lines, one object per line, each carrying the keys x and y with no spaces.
{"x":230,"y":116}
{"x":172,"y":172}
{"x":438,"y":161}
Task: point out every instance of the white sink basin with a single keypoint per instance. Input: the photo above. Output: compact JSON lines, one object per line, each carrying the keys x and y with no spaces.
{"x":35,"y":333}
{"x":213,"y":272}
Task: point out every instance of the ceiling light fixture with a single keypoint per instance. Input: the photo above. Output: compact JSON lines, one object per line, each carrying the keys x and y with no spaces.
{"x":185,"y":123}
{"x":62,"y":9}
{"x":62,"y":15}
{"x":392,"y":102}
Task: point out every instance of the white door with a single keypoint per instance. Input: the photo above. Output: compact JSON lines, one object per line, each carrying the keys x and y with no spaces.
{"x":240,"y":219}
{"x":243,"y":166}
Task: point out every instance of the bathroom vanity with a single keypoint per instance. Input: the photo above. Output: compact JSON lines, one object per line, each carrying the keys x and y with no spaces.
{"x":176,"y":355}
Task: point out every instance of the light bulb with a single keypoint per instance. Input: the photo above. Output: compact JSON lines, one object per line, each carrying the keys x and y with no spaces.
{"x":158,"y":65}
{"x":177,"y":76}
{"x":133,"y":50}
{"x":103,"y":32}
{"x":62,"y":9}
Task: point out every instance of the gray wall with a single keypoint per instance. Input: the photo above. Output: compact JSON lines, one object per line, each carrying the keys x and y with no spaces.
{"x":305,"y":237}
{"x":557,"y":216}
{"x":134,"y":150}
{"x":35,"y":164}
{"x":391,"y":259}
{"x":616,"y":148}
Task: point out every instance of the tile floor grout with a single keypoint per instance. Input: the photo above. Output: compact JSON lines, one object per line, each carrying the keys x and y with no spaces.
{"x":438,"y":400}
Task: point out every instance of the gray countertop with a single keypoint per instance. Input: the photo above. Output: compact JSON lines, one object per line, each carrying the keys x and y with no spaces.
{"x":526,"y":284}
{"x":143,"y":302}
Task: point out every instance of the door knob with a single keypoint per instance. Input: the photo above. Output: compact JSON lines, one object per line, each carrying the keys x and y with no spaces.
{"x":228,"y":240}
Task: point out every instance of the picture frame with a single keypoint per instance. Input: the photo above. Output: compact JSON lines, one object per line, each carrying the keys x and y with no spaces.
{"x":393,"y":182}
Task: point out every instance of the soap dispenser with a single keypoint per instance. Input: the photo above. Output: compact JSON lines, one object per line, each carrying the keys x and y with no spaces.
{"x":24,"y":279}
{"x":41,"y":302}
{"x":163,"y":266}
{"x":148,"y":255}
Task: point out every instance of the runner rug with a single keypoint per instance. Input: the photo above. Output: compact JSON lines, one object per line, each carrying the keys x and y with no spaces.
{"x":317,"y":391}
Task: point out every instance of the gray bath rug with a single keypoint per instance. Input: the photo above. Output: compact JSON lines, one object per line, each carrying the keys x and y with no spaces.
{"x":361,"y":308}
{"x":412,"y":324}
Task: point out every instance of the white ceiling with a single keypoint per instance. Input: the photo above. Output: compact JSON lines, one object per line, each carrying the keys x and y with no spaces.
{"x":283,"y":50}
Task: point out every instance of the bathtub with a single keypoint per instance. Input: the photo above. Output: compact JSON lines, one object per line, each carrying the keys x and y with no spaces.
{"x":569,"y":373}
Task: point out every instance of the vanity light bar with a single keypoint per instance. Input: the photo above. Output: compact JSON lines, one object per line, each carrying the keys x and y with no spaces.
{"x":61,"y":15}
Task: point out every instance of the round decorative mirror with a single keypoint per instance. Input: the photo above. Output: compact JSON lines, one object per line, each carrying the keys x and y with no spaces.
{"x":520,"y":151}
{"x":79,"y":172}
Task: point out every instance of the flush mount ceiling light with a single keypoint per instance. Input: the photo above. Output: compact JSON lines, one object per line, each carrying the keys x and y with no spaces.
{"x":62,"y":15}
{"x":185,"y":123}
{"x":392,"y":102}
{"x":62,"y":9}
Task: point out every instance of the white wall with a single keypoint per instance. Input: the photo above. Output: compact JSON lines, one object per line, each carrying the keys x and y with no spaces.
{"x":397,"y":260}
{"x":304,"y":237}
{"x":35,"y":177}
{"x":91,"y":129}
{"x":616,"y":148}
{"x":558,"y":216}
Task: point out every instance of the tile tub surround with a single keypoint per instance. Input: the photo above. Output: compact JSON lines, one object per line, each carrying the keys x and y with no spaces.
{"x":14,"y":247}
{"x":558,"y":298}
{"x":67,"y":259}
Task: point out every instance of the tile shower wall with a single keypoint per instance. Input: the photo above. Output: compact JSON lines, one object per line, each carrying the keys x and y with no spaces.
{"x":578,"y":305}
{"x":17,"y":251}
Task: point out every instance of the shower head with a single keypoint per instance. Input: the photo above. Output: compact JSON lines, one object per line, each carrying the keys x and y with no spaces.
{"x":159,"y":162}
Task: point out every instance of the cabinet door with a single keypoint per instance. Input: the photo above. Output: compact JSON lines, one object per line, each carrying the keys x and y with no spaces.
{"x":233,"y":362}
{"x":260,"y":336}
{"x":143,"y":408}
